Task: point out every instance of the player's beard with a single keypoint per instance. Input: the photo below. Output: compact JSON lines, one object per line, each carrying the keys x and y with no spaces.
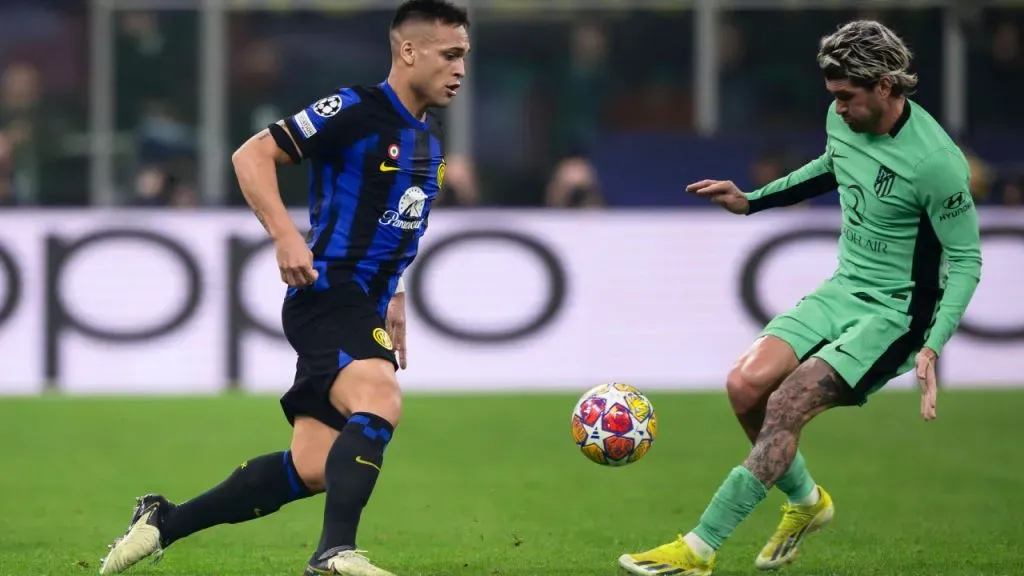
{"x":873,"y":120}
{"x":865,"y":125}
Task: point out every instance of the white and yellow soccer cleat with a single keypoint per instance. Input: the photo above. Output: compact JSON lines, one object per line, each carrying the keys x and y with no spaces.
{"x":797,"y":522}
{"x":344,"y":562}
{"x":142,"y":538}
{"x":675,"y":558}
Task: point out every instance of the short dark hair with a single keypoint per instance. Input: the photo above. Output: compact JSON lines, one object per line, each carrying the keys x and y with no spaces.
{"x":430,"y":11}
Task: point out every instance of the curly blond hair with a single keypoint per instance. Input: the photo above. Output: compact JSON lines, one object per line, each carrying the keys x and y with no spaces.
{"x":864,"y":52}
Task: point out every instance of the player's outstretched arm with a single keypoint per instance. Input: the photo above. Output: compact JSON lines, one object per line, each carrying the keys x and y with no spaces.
{"x":721,"y":192}
{"x":255,"y":165}
{"x":810,"y":180}
{"x":942,"y":182}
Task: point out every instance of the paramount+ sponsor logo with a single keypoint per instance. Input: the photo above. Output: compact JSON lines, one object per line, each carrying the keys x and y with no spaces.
{"x":955,"y":205}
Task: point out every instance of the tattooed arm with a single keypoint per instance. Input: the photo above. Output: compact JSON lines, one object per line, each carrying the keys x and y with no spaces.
{"x":255,"y":165}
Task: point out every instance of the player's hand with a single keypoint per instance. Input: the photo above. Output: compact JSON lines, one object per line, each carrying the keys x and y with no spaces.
{"x":295,"y":261}
{"x":396,"y":327}
{"x":721,"y":192}
{"x":926,"y":381}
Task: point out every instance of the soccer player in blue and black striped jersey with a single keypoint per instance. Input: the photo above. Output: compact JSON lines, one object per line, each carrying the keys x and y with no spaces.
{"x":376,"y":162}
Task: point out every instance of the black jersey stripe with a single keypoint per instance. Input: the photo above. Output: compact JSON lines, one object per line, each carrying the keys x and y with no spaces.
{"x":346,"y":181}
{"x":420,"y":163}
{"x":796,"y":194}
{"x":924,"y":298}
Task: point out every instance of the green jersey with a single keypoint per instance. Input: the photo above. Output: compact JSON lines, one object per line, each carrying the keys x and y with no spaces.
{"x":909,"y":227}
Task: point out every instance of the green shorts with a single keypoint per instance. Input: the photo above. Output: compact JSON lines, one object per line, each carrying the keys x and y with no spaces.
{"x":865,"y":342}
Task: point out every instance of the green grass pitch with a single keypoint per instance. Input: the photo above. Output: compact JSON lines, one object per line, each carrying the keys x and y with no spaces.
{"x":493,"y":486}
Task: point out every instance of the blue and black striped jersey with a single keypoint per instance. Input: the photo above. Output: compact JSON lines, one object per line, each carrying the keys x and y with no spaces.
{"x":374,"y":171}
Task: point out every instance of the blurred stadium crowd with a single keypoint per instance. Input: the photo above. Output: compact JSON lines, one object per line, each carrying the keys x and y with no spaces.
{"x":591,"y":109}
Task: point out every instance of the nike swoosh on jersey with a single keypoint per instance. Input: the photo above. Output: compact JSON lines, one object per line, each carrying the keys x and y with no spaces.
{"x":385,"y":168}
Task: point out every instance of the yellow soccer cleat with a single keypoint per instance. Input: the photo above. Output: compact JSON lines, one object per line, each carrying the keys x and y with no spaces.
{"x":675,"y":558}
{"x":797,"y":522}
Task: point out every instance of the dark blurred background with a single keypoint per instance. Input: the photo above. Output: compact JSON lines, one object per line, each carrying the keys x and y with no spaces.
{"x":141,"y":102}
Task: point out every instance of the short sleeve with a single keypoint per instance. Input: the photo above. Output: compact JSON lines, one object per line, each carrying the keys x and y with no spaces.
{"x":324,"y":123}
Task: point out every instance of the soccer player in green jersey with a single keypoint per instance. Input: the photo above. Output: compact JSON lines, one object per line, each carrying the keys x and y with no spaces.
{"x":909,"y":262}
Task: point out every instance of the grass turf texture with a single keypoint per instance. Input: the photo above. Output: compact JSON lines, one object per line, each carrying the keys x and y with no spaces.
{"x":494,"y":486}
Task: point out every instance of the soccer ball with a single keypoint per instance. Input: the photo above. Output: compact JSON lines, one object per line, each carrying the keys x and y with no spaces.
{"x":614,"y":424}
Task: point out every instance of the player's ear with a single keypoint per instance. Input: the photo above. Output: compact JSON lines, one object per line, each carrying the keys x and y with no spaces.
{"x":408,"y":52}
{"x":885,"y":87}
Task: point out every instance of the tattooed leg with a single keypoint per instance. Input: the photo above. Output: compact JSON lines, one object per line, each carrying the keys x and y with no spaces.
{"x":810,"y":390}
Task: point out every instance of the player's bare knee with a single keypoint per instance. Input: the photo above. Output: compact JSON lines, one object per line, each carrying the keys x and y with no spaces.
{"x":310,"y":466}
{"x":743,"y":394}
{"x":758,"y":372}
{"x":749,"y":383}
{"x":368,"y":386}
{"x":386,"y":403}
{"x":311,"y":442}
{"x":312,"y":472}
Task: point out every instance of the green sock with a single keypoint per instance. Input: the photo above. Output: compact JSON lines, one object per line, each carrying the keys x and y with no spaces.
{"x":733,"y":502}
{"x":797,"y":483}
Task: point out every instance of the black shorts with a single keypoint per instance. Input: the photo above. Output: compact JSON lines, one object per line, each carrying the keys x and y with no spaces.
{"x":329,"y":329}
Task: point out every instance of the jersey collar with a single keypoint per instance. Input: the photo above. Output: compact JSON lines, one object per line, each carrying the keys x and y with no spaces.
{"x":402,"y":110}
{"x":902,"y":120}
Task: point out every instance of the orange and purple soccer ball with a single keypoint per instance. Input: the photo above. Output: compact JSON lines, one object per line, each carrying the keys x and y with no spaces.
{"x":614,"y":424}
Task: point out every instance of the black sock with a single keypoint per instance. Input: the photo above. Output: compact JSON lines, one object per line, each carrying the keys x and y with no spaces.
{"x":353,"y":465}
{"x":257,"y":488}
